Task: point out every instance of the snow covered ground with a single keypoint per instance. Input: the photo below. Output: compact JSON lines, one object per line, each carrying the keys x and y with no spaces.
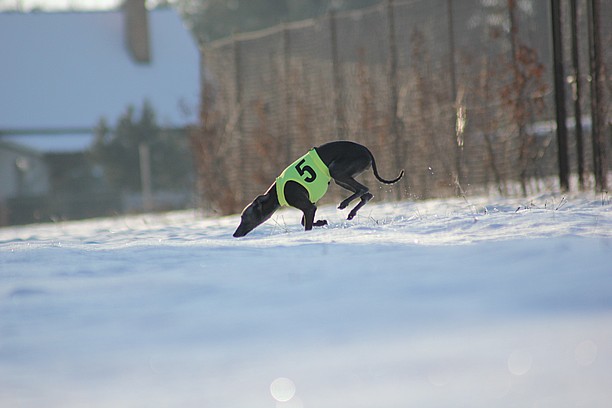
{"x":447,"y":303}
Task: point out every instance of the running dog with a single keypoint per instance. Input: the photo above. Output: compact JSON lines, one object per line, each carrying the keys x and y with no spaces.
{"x":306,"y":180}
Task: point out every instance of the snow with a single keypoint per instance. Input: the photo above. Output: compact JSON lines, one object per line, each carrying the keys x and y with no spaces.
{"x":482,"y":302}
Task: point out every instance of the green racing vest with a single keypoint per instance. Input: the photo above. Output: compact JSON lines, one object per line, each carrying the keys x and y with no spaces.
{"x":310,"y":172}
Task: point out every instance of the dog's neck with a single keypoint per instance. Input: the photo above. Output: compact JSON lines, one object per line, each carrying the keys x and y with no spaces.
{"x":271,"y":203}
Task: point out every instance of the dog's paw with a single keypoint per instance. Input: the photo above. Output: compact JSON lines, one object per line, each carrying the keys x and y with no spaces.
{"x":351,"y":215}
{"x":320,"y":223}
{"x":343,"y":205}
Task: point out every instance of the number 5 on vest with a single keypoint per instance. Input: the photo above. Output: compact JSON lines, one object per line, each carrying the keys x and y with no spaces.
{"x":301,"y":169}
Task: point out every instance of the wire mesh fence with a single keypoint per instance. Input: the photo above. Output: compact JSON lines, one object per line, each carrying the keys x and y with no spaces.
{"x":457,"y":93}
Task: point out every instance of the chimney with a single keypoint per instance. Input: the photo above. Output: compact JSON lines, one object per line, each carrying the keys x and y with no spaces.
{"x":136,"y":30}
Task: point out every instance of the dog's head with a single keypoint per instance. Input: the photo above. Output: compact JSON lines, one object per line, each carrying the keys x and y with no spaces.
{"x":252,"y":216}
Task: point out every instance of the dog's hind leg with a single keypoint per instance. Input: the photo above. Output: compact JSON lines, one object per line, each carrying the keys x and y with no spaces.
{"x":351,"y":185}
{"x":344,"y":172}
{"x":364,"y":200}
{"x":359,"y":191}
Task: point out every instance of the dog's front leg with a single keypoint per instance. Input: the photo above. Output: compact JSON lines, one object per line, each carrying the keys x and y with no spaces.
{"x":308,"y":217}
{"x":297,"y":196}
{"x":317,"y":223}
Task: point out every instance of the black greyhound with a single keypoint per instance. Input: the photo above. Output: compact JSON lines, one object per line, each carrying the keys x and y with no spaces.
{"x":296,"y":187}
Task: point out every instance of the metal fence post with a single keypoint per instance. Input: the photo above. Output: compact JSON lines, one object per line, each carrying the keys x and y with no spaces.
{"x":577,"y":93}
{"x":238,"y":104}
{"x":598,"y":105}
{"x":458,"y":141}
{"x":394,"y":91}
{"x":238,"y":83}
{"x":560,"y":111}
{"x":337,"y":78}
{"x":146,"y":185}
{"x":287,"y":99}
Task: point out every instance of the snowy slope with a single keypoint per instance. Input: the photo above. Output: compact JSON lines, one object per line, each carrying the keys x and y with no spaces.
{"x":446,"y":303}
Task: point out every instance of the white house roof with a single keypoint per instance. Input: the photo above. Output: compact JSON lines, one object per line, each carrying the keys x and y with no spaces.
{"x":67,"y":70}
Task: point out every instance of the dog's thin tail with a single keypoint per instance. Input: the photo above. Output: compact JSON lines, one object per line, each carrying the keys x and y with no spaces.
{"x":382,"y":180}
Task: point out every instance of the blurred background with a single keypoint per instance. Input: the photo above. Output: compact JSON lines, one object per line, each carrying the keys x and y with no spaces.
{"x":113,"y":107}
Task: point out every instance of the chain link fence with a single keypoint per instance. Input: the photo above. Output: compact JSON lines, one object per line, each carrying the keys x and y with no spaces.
{"x":458,"y":93}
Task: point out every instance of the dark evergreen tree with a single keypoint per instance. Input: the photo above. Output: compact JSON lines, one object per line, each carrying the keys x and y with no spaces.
{"x":118,"y":152}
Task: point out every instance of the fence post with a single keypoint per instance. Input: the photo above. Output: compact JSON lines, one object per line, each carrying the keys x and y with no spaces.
{"x":287,"y":100}
{"x":598,"y":105}
{"x":577,"y":92}
{"x":238,"y":103}
{"x":456,"y":126}
{"x":238,"y":83}
{"x":394,"y":90}
{"x":144,"y":161}
{"x":561,"y":114}
{"x":337,"y":78}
